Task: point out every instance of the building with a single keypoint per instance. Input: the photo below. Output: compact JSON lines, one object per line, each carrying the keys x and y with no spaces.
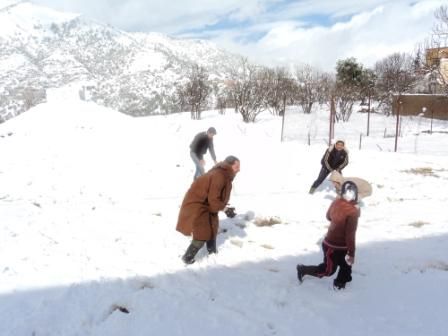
{"x":425,"y":105}
{"x":438,"y":58}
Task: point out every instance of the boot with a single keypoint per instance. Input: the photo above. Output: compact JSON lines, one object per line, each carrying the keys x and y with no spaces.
{"x":211,"y":246}
{"x":303,"y":270}
{"x":338,"y":284}
{"x":300,"y":272}
{"x":189,"y":255}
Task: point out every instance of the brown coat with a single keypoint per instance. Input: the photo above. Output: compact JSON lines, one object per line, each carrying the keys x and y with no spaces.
{"x":344,"y":221}
{"x":207,"y":195}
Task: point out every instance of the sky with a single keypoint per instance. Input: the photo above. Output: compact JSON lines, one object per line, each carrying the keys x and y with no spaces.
{"x":89,"y":201}
{"x":275,"y":32}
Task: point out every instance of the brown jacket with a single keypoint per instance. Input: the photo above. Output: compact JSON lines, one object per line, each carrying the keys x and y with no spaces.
{"x":343,"y":216}
{"x":207,"y":195}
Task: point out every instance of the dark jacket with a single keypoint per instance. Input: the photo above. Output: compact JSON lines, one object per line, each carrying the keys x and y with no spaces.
{"x":334,"y":159}
{"x":343,"y":217}
{"x":207,"y":195}
{"x":200,"y":144}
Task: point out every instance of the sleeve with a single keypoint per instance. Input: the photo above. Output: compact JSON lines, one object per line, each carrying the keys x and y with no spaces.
{"x":325,"y":160}
{"x":211,"y":148}
{"x":350,"y":234}
{"x":328,"y":212}
{"x":216,"y":193}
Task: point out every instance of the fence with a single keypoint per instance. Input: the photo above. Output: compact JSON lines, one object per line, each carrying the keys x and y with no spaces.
{"x":416,"y":134}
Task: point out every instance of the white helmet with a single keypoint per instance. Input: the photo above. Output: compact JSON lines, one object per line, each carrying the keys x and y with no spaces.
{"x":349,"y":191}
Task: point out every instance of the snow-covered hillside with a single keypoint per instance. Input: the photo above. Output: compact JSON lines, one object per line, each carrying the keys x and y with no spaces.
{"x":89,"y":202}
{"x":135,"y":73}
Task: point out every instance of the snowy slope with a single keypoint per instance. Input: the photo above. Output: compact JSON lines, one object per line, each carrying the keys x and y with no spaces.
{"x":89,"y":201}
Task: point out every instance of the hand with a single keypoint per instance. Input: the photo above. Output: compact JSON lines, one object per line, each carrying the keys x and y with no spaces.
{"x":350,"y":260}
{"x":230,"y":212}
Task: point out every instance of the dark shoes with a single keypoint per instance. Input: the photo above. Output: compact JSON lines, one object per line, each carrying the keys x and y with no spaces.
{"x":188,"y":260}
{"x":338,"y":285}
{"x":195,"y":246}
{"x":189,"y":255}
{"x":300,"y":272}
{"x":211,"y":246}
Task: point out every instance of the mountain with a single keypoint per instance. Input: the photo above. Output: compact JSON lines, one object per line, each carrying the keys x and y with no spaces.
{"x":135,"y":73}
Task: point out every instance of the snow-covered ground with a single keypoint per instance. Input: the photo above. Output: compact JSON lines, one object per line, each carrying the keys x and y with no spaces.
{"x":89,"y":200}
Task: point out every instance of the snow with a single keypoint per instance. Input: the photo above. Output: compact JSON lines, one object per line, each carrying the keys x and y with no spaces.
{"x":27,"y":17}
{"x":12,"y":62}
{"x":89,"y":202}
{"x":148,"y":60}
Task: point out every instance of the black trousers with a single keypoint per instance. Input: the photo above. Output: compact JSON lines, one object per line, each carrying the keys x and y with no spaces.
{"x":324,"y":172}
{"x":333,"y":258}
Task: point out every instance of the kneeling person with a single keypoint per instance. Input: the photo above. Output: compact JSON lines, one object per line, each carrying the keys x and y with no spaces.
{"x":339,"y":244}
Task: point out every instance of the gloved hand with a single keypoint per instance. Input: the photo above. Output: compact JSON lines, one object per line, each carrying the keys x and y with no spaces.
{"x":230,"y":212}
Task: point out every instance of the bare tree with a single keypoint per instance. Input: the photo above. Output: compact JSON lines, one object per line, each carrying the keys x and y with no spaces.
{"x":440,"y":39}
{"x":32,"y":97}
{"x":310,"y":87}
{"x":280,"y":88}
{"x":441,"y":26}
{"x":219,"y":93}
{"x":248,"y":89}
{"x":196,"y":90}
{"x":395,"y":76}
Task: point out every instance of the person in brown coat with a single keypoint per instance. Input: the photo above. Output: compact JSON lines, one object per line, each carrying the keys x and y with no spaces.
{"x":339,"y":243}
{"x":208,"y":195}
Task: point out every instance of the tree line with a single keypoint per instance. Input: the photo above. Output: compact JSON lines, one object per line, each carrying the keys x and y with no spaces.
{"x":250,"y":89}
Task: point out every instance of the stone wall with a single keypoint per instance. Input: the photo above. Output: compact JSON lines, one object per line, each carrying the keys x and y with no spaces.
{"x":435,"y":106}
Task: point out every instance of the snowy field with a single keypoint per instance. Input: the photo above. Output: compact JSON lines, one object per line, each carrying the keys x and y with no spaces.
{"x":89,"y":200}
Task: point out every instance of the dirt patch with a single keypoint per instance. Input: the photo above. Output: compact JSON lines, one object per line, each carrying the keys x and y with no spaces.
{"x":418,"y":224}
{"x":267,"y":221}
{"x":424,"y":171}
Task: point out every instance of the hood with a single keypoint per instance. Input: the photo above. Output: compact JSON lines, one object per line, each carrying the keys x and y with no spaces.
{"x":336,"y":177}
{"x":226,"y":168}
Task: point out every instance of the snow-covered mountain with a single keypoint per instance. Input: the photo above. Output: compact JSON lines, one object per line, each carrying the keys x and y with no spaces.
{"x":135,"y":73}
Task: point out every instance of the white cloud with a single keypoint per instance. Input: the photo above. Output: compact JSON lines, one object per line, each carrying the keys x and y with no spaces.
{"x":168,"y":17}
{"x":368,"y":36}
{"x":272,"y":31}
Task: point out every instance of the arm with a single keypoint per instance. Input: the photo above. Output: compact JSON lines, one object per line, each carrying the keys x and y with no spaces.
{"x":328,"y":212}
{"x":350,"y":234}
{"x":211,"y":148}
{"x":325,"y":160}
{"x":216,"y":193}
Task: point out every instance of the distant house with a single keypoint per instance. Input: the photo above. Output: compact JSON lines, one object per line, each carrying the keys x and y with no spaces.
{"x":438,"y":58}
